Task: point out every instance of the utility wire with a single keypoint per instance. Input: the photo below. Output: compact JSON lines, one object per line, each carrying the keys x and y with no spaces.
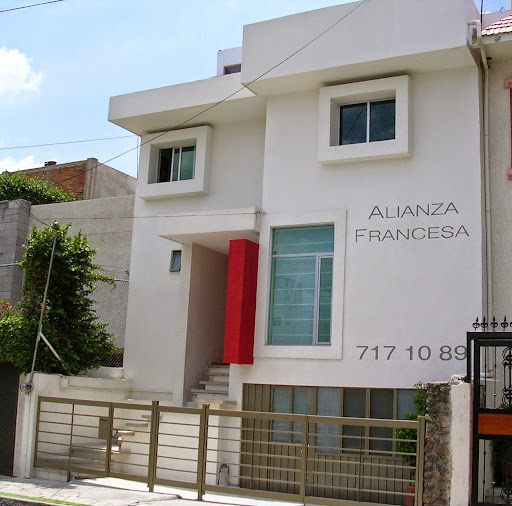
{"x":200,"y":113}
{"x":32,"y":5}
{"x":68,"y":142}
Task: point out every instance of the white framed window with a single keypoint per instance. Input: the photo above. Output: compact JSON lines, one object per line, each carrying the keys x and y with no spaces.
{"x":364,"y":121}
{"x":176,"y":164}
{"x":301,"y":286}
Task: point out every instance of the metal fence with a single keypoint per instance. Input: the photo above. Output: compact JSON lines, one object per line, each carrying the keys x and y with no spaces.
{"x":111,"y":304}
{"x":300,"y":458}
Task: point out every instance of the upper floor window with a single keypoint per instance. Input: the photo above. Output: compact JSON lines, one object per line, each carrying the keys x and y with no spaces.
{"x":369,"y":121}
{"x":301,"y":286}
{"x":176,"y":164}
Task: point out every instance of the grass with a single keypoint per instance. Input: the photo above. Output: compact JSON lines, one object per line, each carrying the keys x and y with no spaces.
{"x":40,"y":499}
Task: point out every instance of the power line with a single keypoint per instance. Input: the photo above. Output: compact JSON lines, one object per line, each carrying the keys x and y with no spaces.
{"x":68,"y":142}
{"x":32,"y":5}
{"x":200,"y":113}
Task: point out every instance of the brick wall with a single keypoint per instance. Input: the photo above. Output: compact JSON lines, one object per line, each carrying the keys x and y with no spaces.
{"x":69,"y":178}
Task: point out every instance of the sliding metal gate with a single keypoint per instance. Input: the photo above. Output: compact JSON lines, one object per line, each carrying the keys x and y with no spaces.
{"x":327,"y":460}
{"x":489,"y":365}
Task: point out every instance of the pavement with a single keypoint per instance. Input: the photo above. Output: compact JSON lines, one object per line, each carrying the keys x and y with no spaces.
{"x":110,"y":492}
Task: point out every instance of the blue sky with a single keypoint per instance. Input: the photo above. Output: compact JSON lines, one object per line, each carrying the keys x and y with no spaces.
{"x":60,"y":63}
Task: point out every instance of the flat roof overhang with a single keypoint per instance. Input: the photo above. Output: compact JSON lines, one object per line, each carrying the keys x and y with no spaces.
{"x":211,"y":229}
{"x":209,"y":101}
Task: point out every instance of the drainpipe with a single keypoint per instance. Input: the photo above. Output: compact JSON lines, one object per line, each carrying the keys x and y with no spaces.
{"x":477,"y":33}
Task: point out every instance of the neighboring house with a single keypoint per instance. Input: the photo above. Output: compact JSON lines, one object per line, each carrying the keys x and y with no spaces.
{"x":87,"y":179}
{"x":326,"y":209}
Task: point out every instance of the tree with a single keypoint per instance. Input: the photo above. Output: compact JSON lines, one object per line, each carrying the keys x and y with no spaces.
{"x":69,"y":321}
{"x":18,"y":186}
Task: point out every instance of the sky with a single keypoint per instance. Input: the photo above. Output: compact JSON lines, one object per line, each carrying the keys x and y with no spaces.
{"x":61,"y":62}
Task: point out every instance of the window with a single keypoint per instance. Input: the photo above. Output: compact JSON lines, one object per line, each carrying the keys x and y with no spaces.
{"x":301,"y":286}
{"x":368,"y":121}
{"x":176,"y":164}
{"x":175,"y":261}
{"x":364,"y":121}
{"x":233,"y":69}
{"x":380,"y":403}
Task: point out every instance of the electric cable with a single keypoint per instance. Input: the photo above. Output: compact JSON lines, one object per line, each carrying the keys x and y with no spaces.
{"x":69,"y":142}
{"x":32,"y":5}
{"x":200,"y":113}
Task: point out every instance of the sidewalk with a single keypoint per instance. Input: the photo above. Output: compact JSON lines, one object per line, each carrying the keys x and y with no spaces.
{"x":114,"y":492}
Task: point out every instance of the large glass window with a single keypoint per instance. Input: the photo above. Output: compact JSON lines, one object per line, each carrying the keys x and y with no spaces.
{"x":301,"y":286}
{"x":176,"y":164}
{"x":367,"y":121}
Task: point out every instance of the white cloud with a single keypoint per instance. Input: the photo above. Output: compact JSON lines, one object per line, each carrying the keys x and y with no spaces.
{"x":16,"y":75}
{"x":11,"y":165}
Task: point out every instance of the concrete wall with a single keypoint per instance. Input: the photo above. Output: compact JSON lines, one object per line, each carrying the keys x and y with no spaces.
{"x":501,"y":187}
{"x":14,"y":226}
{"x":108,"y":223}
{"x":206,"y":314}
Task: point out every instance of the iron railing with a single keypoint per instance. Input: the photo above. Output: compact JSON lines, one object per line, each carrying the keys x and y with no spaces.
{"x":314,"y":459}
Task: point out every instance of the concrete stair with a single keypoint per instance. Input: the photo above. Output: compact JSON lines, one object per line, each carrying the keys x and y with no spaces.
{"x":215,"y":389}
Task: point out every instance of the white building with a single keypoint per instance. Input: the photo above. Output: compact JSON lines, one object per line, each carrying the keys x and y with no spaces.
{"x":346,"y":158}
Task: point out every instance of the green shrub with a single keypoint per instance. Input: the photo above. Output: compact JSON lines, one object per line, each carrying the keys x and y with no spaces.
{"x":18,"y":186}
{"x":70,"y":322}
{"x":409,"y":436}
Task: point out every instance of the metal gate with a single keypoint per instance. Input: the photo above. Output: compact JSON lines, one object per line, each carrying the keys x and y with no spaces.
{"x":489,"y":364}
{"x":9,"y":380}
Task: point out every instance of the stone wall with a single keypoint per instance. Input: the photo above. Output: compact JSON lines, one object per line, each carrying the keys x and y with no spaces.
{"x":438,"y":459}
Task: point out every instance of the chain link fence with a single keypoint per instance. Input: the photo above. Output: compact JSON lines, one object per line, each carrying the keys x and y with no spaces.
{"x":111,"y":302}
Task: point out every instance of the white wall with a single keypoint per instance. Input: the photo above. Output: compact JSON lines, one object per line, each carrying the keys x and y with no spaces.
{"x":396,"y":293}
{"x":158,"y":299}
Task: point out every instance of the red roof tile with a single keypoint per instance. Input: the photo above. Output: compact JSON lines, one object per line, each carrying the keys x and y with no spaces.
{"x":502,"y":26}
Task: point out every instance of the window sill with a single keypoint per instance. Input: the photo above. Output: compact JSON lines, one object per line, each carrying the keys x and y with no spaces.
{"x":323,"y":352}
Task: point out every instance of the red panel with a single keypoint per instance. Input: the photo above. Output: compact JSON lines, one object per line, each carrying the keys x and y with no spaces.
{"x":241,"y":302}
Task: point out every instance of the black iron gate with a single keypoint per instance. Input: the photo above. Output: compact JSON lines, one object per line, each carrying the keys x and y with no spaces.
{"x":490,"y":368}
{"x":9,"y":380}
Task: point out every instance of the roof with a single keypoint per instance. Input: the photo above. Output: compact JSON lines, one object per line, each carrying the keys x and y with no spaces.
{"x":504,"y":25}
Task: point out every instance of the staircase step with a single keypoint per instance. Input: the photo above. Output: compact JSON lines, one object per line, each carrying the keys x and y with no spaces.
{"x":215,"y":385}
{"x":203,"y":395}
{"x":137,"y":425}
{"x":218,"y":369}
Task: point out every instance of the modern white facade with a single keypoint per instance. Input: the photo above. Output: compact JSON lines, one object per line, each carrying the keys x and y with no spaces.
{"x":405,"y":210}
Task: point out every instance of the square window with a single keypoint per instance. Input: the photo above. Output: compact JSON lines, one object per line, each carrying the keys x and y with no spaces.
{"x":176,"y":164}
{"x":364,"y":121}
{"x":175,"y":261}
{"x":301,"y":286}
{"x":369,"y":121}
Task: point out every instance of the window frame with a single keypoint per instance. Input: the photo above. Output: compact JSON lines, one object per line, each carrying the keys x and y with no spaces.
{"x":316,"y":305}
{"x":293,"y":435}
{"x":148,"y":187}
{"x":180,"y":162}
{"x":331,"y":98}
{"x":175,"y":253}
{"x":281,"y":220}
{"x":368,"y":104}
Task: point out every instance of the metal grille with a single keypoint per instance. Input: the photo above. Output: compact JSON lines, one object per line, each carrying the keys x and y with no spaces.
{"x":233,"y":452}
{"x":9,"y":380}
{"x":490,"y":369}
